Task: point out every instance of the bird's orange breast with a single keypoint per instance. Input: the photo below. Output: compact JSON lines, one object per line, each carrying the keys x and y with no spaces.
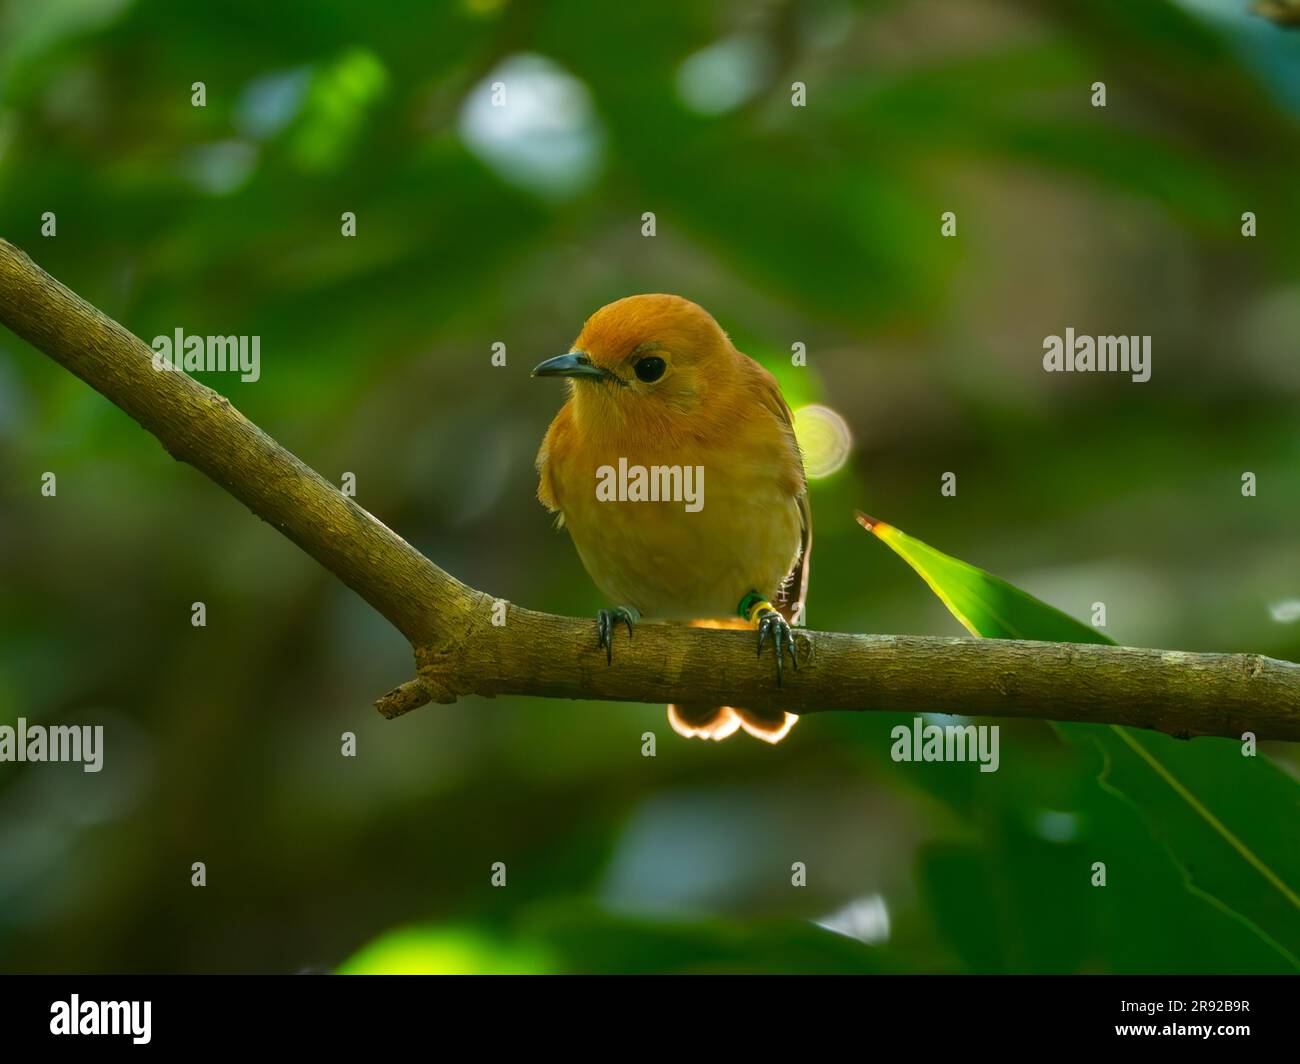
{"x":658,"y":556}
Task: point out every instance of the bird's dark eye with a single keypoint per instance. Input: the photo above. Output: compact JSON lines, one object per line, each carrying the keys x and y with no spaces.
{"x":650,"y":368}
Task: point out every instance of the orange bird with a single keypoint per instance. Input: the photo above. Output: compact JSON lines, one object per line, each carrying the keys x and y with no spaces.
{"x":675,"y":468}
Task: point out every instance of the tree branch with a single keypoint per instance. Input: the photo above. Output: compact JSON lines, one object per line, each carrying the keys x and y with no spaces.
{"x":198,"y":426}
{"x":459,"y":651}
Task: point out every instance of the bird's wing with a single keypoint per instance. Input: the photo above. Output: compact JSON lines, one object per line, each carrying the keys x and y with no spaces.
{"x":792,"y":595}
{"x":547,"y":483}
{"x":558,"y":437}
{"x":795,"y":588}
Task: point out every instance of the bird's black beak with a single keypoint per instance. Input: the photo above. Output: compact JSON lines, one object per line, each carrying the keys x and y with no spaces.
{"x":574,"y":364}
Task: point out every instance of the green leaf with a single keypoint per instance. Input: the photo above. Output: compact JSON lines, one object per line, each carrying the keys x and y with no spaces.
{"x":1230,"y":823}
{"x":591,"y":941}
{"x":433,"y":950}
{"x":571,"y":937}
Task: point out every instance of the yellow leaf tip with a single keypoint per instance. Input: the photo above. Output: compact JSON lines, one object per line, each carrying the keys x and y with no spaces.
{"x":868,"y":522}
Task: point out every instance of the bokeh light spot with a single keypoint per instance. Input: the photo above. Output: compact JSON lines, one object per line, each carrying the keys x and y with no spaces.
{"x":825,"y":439}
{"x":1287,"y":611}
{"x":541,"y":132}
{"x":724,"y":75}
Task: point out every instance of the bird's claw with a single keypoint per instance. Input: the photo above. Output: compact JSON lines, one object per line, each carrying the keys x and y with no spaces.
{"x":772,"y":624}
{"x":606,"y":622}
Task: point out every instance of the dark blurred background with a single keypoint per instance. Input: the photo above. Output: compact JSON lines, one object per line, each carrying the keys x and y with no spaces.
{"x":476,"y":225}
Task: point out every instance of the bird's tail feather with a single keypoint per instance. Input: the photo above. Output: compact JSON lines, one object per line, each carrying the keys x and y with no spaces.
{"x":703,"y":722}
{"x":694,"y":721}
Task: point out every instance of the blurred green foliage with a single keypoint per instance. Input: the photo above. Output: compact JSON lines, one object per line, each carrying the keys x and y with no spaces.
{"x":1201,"y":800}
{"x":817,"y":225}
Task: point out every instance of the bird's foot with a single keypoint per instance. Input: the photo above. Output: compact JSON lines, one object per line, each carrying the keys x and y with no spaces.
{"x":607,"y":621}
{"x":771,"y":625}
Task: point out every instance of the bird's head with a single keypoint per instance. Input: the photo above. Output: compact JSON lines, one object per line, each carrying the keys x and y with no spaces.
{"x":646,"y":361}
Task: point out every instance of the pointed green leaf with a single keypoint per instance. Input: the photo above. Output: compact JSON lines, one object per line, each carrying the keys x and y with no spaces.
{"x":1231,"y":823}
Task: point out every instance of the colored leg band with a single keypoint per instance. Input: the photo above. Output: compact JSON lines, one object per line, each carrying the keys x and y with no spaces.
{"x":752,"y":605}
